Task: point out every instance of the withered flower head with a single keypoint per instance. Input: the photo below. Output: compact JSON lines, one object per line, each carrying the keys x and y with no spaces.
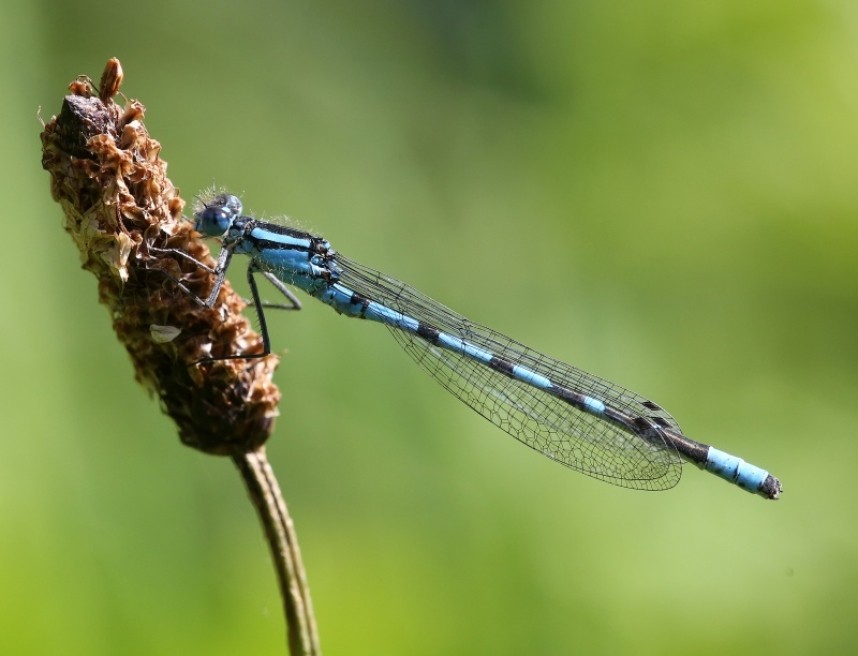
{"x":125,"y":216}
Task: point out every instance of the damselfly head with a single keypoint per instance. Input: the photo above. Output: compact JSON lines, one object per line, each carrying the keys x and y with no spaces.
{"x":215,"y":216}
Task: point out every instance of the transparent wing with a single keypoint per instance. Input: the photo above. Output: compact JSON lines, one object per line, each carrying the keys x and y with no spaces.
{"x":581,"y":441}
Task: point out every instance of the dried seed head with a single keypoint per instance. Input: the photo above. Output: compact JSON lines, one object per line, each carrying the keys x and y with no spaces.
{"x":122,"y":212}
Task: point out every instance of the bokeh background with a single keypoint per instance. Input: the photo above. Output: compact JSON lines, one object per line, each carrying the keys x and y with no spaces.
{"x":661,"y":192}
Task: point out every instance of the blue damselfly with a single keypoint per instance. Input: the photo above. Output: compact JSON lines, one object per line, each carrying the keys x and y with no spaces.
{"x":582,"y":421}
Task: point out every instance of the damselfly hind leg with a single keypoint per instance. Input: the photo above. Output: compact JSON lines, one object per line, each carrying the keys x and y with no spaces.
{"x":293,"y":304}
{"x":220,"y":274}
{"x":259,"y":304}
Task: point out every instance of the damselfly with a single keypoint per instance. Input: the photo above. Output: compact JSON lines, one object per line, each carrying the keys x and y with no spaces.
{"x":582,"y":421}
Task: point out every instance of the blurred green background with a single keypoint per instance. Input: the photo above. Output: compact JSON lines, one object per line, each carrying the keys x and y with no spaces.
{"x":661,"y":192}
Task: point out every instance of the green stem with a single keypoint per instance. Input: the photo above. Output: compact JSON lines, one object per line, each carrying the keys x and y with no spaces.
{"x":282,"y":540}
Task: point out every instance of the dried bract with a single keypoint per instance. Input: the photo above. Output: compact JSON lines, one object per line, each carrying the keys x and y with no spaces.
{"x":125,"y":216}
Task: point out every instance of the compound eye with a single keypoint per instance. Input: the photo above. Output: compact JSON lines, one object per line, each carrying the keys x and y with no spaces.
{"x":215,"y":218}
{"x":213,"y":221}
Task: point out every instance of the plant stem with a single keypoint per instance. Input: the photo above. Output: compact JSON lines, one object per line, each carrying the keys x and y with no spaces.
{"x":282,"y":540}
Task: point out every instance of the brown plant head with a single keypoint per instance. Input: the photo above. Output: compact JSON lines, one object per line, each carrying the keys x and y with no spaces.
{"x":125,"y":216}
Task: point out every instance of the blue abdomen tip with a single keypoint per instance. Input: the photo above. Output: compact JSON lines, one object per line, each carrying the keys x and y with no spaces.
{"x":745,"y":475}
